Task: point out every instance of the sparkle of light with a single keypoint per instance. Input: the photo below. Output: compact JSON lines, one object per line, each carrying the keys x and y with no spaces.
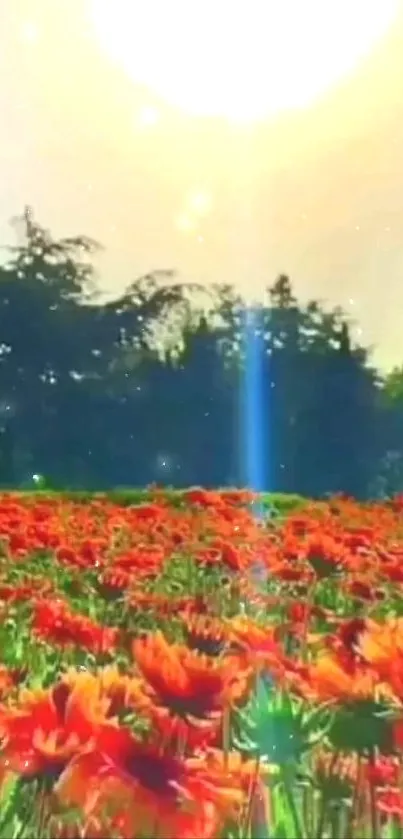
{"x":185,"y":224}
{"x":148,"y":116}
{"x":29,"y":32}
{"x":200,"y":203}
{"x":242,"y":60}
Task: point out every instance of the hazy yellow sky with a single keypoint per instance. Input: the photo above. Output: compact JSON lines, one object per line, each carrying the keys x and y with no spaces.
{"x":318,"y":194}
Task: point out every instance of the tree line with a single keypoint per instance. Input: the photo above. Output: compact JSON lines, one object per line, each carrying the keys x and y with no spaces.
{"x":151,"y":386}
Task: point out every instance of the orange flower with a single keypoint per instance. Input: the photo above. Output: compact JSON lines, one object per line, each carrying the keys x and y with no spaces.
{"x":9,"y":679}
{"x":111,"y":685}
{"x":46,"y":728}
{"x":363,"y":589}
{"x":258,"y":642}
{"x":328,"y":680}
{"x":230,"y":772}
{"x":204,"y":634}
{"x":381,"y":641}
{"x":188,"y":683}
{"x":229,"y":555}
{"x":181,"y":689}
{"x":55,"y":622}
{"x":343,"y":643}
{"x":381,"y":645}
{"x":323,"y":553}
{"x":203,"y":498}
{"x":148,"y":793}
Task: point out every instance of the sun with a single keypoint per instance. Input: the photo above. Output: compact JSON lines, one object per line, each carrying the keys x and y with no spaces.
{"x":244,"y":60}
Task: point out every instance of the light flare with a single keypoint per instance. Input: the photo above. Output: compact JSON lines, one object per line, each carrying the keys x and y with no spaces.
{"x":243,"y":60}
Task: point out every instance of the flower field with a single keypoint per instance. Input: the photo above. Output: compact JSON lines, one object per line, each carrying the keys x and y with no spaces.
{"x":178,"y":668}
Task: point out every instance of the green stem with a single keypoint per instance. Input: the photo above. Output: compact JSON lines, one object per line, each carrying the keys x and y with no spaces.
{"x":286,"y":776}
{"x":322,"y":817}
{"x":372,"y":801}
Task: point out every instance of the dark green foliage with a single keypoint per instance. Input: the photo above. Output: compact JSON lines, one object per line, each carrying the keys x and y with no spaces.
{"x":149,"y":387}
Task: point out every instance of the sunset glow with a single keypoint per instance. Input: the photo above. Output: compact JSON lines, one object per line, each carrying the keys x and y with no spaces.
{"x":243,"y":61}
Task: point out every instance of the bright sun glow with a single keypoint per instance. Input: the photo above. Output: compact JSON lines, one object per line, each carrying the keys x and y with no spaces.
{"x":240,"y":59}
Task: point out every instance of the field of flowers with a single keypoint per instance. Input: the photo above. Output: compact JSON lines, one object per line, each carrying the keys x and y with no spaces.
{"x":181,"y":669}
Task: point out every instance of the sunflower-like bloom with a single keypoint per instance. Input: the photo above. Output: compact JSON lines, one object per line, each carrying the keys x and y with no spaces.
{"x":230,"y":771}
{"x":381,"y":646}
{"x":328,"y":679}
{"x":146,"y":792}
{"x":184,"y":692}
{"x":205,"y":634}
{"x":44,"y":729}
{"x":258,"y":643}
{"x":56,"y":623}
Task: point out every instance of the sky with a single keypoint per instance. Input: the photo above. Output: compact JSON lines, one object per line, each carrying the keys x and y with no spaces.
{"x":316,"y":193}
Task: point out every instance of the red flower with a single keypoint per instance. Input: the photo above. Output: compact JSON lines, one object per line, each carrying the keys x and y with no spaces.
{"x":46,"y":728}
{"x":204,"y":634}
{"x":144,"y":792}
{"x":183,"y":692}
{"x":54,"y":622}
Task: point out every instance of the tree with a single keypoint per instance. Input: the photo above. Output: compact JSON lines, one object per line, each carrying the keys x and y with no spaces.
{"x":389,"y":479}
{"x":344,"y":421}
{"x":41,"y":285}
{"x":152,"y":385}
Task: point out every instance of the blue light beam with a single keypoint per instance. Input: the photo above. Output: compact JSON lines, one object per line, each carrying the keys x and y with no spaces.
{"x":254,"y":425}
